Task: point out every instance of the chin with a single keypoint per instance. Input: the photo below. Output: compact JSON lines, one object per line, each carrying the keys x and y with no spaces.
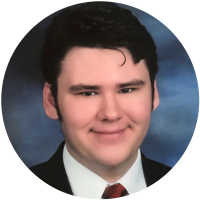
{"x":109,"y":160}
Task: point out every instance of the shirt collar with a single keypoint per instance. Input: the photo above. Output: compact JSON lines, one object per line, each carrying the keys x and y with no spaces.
{"x":87,"y":184}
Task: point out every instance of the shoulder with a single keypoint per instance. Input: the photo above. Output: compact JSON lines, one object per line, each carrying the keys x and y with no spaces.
{"x":53,"y":172}
{"x":153,"y":170}
{"x":54,"y":164}
{"x":42,"y":170}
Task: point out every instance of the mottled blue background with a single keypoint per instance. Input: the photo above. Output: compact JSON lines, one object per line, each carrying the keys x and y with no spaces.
{"x":35,"y":137}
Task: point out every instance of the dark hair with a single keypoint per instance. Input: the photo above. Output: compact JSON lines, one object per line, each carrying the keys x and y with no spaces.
{"x":95,"y":25}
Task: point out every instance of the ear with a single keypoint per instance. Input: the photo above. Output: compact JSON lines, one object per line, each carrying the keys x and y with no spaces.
{"x":156,"y":100}
{"x":48,"y":102}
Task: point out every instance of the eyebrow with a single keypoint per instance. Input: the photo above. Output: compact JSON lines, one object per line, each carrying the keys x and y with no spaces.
{"x":135,"y":82}
{"x":80,"y":86}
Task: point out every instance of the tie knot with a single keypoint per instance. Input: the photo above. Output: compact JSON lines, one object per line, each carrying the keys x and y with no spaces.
{"x":114,"y":191}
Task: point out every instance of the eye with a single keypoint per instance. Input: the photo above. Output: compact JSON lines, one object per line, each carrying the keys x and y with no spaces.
{"x":88,"y":94}
{"x":127,"y":90}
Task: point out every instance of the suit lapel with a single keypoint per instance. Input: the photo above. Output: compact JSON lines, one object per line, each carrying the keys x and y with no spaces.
{"x":153,"y":170}
{"x":149,"y":176}
{"x":59,"y":176}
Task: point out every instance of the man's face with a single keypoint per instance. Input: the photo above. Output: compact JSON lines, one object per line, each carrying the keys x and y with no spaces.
{"x":105,"y":107}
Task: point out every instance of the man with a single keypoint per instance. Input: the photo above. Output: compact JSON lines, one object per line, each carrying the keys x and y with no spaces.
{"x":99,"y":64}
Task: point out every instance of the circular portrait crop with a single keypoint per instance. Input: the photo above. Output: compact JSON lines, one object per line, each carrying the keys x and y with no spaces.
{"x":100,"y":100}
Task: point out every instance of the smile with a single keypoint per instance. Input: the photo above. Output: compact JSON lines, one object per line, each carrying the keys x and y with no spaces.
{"x":113,"y":136}
{"x":109,"y":132}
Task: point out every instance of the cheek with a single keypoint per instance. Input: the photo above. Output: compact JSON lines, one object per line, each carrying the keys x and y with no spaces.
{"x":139,"y":110}
{"x":77,"y":114}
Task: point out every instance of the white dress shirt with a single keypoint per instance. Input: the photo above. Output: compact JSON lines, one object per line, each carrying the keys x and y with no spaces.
{"x":85,"y":183}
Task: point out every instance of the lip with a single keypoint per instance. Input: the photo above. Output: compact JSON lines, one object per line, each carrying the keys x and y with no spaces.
{"x":108,"y":132}
{"x":111,"y":137}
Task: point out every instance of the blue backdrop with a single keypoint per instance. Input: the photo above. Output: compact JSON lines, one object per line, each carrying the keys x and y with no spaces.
{"x":35,"y":137}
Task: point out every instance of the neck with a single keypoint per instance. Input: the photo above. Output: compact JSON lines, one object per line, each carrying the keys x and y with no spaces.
{"x":113,"y":173}
{"x":109,"y":173}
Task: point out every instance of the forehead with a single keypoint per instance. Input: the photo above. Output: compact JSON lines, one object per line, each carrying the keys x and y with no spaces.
{"x":102,"y":66}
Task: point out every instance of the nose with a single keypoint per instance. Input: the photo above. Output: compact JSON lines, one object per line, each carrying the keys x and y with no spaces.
{"x":110,"y":109}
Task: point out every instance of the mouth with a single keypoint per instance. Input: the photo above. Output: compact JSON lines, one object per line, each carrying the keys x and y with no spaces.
{"x":110,"y":136}
{"x":108,"y":132}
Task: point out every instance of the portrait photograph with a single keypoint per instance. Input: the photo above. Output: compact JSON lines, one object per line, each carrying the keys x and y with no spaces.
{"x":100,"y":100}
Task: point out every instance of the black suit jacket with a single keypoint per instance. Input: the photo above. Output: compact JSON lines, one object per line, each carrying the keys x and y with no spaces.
{"x":53,"y":172}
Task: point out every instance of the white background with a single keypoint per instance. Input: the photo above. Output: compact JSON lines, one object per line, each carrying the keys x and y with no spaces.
{"x":18,"y":17}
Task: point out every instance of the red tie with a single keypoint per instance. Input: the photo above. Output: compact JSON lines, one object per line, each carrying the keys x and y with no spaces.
{"x":114,"y":191}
